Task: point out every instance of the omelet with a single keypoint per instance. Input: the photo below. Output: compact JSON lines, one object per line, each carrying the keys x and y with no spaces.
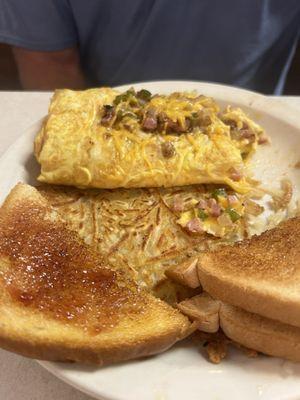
{"x":101,"y":138}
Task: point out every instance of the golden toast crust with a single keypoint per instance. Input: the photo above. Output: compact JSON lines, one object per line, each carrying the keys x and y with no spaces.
{"x":60,"y":302}
{"x":260,"y":275}
{"x":261,"y":334}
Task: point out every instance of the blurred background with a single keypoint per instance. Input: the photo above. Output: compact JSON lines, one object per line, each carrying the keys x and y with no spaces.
{"x":9,"y":79}
{"x":76,"y":44}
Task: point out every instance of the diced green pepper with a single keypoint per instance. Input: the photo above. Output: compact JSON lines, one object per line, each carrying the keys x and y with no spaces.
{"x":144,"y":94}
{"x":119,"y":99}
{"x":219,"y":192}
{"x":108,"y":108}
{"x":124,"y":96}
{"x":202,"y":214}
{"x":234,"y":215}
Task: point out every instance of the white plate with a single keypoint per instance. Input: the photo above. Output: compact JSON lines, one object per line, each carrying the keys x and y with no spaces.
{"x":183,"y":372}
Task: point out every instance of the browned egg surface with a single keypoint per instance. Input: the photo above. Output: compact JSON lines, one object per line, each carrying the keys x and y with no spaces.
{"x":52,"y":271}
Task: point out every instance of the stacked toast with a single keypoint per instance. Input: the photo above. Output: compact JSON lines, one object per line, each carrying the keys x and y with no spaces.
{"x":251,"y":291}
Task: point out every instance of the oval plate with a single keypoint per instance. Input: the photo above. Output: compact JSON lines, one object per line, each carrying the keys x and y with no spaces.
{"x":183,"y":371}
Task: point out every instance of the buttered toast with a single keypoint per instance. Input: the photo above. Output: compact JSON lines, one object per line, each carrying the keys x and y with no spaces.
{"x":259,"y":333}
{"x":242,"y":327}
{"x":59,"y":300}
{"x":260,"y":275}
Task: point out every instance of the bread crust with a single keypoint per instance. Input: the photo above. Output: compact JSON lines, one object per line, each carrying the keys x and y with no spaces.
{"x":261,"y":334}
{"x":89,"y":352}
{"x":260,"y":275}
{"x":34,"y":332}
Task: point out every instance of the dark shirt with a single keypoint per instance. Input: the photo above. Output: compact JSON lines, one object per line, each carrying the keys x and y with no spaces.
{"x":247,"y":43}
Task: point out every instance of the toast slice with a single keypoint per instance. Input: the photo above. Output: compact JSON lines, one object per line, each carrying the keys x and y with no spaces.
{"x":242,"y":327}
{"x":261,"y":334}
{"x":58,"y":299}
{"x":260,"y":275}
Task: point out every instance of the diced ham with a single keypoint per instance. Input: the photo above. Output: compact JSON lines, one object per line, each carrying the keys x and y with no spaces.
{"x":108,"y":116}
{"x":202,"y":204}
{"x":178,"y":204}
{"x":149,"y":123}
{"x":247,"y":134}
{"x":167,"y":149}
{"x":194,"y":225}
{"x":214,"y":208}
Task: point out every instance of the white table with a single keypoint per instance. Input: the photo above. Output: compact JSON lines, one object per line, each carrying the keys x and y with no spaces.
{"x":21,"y":378}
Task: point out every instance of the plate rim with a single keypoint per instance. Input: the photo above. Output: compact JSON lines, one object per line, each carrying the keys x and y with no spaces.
{"x":287,"y":113}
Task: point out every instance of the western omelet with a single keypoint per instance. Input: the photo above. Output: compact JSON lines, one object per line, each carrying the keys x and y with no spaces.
{"x":101,"y":138}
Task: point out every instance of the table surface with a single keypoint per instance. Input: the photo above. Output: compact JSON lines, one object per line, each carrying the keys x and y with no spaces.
{"x":22,"y":378}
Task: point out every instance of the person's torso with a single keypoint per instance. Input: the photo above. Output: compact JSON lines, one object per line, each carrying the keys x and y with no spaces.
{"x":248,"y":43}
